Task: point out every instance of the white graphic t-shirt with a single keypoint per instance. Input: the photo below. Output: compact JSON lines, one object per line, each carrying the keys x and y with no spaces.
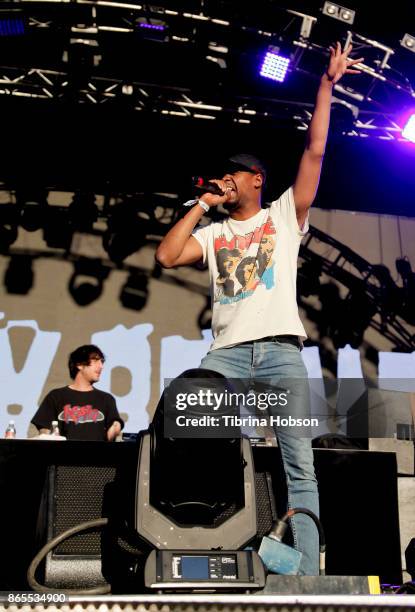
{"x":253,"y":273}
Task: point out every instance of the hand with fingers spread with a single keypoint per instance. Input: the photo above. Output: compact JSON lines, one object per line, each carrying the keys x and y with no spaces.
{"x":340,"y":63}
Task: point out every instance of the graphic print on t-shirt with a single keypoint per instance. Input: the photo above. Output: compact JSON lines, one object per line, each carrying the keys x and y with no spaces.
{"x":244,"y":262}
{"x":80,"y":414}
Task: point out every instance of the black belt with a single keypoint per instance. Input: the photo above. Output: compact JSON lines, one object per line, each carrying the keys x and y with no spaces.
{"x":284,"y":339}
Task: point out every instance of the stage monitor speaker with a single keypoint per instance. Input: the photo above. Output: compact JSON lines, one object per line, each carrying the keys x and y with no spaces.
{"x":75,"y":495}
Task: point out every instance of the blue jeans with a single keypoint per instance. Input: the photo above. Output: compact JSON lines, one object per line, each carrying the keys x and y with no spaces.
{"x":273,"y":361}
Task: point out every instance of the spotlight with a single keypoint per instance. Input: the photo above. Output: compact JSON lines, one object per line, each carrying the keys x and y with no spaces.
{"x":134,"y":293}
{"x":152,"y":29}
{"x":408,"y":42}
{"x":18,"y":278}
{"x":32,"y":206}
{"x":87,"y":281}
{"x":57,"y":231}
{"x":12,"y":23}
{"x":8,"y":227}
{"x":274,"y":66}
{"x":82,"y":55}
{"x":408,"y":131}
{"x":126,"y":231}
{"x":338,"y":12}
{"x":83,"y":211}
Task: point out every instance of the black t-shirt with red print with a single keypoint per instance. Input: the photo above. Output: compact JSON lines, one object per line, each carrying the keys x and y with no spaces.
{"x":82,"y":415}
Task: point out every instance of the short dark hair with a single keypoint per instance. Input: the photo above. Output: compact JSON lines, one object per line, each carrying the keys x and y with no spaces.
{"x":82,"y":356}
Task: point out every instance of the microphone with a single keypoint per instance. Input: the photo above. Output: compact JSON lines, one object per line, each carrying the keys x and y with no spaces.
{"x":201,"y":184}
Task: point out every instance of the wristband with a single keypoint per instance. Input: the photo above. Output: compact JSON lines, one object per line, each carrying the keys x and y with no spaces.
{"x":203,"y":205}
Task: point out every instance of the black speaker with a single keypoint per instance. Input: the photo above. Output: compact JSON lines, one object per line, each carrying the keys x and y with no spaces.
{"x":75,"y":495}
{"x":97,"y":483}
{"x":358,"y":508}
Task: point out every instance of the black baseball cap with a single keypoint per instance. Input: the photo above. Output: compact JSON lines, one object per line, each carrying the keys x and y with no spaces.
{"x":245,"y":162}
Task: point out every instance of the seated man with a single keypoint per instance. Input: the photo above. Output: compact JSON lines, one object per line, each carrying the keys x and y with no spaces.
{"x":82,"y":412}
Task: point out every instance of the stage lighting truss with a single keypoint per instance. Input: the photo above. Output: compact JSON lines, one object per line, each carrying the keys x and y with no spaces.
{"x":47,"y":84}
{"x":383,"y":297}
{"x":369,"y":94}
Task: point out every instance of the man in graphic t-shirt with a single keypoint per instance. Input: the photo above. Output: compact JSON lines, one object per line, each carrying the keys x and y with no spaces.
{"x":82,"y":412}
{"x":256,"y":326}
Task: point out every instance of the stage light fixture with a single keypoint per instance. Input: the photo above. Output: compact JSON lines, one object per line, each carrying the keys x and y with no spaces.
{"x":18,"y":278}
{"x":32,"y":204}
{"x":8,"y":227}
{"x":12,"y":23}
{"x":408,"y":42}
{"x":83,"y":211}
{"x":408,"y":131}
{"x":339,"y":12}
{"x":126,"y":231}
{"x":134,"y":293}
{"x":274,"y":66}
{"x":87,"y":281}
{"x":152,"y":29}
{"x":57,"y":230}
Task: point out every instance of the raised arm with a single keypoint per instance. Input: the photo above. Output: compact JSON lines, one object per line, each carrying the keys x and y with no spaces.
{"x":308,"y":176}
{"x":178,"y":247}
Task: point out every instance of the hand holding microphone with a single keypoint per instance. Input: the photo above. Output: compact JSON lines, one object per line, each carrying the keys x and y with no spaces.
{"x":214,"y":191}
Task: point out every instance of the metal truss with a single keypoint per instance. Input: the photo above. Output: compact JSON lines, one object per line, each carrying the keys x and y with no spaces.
{"x":383,"y":295}
{"x":39,"y":83}
{"x":365,"y":106}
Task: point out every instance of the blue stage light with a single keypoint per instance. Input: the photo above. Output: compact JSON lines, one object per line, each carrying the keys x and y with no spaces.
{"x":408,"y":131}
{"x":274,"y":66}
{"x":152,"y":26}
{"x":12,"y":26}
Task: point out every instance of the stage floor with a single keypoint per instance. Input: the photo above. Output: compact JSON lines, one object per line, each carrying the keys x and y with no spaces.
{"x":224,"y":603}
